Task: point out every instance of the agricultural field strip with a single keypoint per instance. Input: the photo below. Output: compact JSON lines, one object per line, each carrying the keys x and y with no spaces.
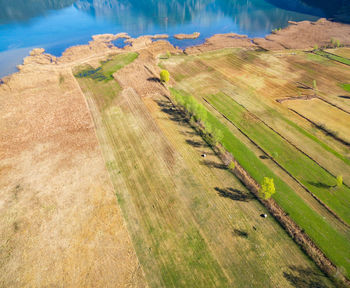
{"x":277,"y":115}
{"x":341,"y":157}
{"x":122,"y":125}
{"x":329,"y":213}
{"x":332,"y":134}
{"x":135,"y":168}
{"x":318,"y":141}
{"x":332,"y":104}
{"x":342,"y":52}
{"x":191,"y":70}
{"x":255,"y":68}
{"x":333,"y":57}
{"x":130,"y":148}
{"x":333,"y":243}
{"x":269,"y":73}
{"x":308,"y":198}
{"x":131,"y":207}
{"x":216,"y":64}
{"x":125,"y":124}
{"x":324,"y":146}
{"x":271,"y":142}
{"x":269,"y":69}
{"x":205,"y":175}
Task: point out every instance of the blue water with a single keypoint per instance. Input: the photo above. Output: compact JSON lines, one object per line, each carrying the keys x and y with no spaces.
{"x":57,"y":24}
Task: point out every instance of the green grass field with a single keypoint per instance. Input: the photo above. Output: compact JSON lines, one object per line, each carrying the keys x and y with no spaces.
{"x":334,"y":244}
{"x":255,"y":80}
{"x":314,"y":177}
{"x":333,"y":57}
{"x":192,"y":222}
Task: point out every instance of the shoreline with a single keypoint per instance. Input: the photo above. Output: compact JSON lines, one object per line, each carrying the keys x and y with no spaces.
{"x":297,"y":35}
{"x":43,"y":102}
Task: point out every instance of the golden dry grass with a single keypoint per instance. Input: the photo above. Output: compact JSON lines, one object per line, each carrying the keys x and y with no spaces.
{"x":321,"y":113}
{"x":60,"y":225}
{"x":343,"y":52}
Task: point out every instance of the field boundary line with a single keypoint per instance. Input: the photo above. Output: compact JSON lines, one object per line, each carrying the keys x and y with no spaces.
{"x":281,"y":167}
{"x":294,"y":230}
{"x":313,"y":52}
{"x":288,"y":141}
{"x":342,"y":141}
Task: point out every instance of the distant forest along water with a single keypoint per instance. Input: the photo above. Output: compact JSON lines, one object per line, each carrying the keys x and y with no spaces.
{"x":58,"y":24}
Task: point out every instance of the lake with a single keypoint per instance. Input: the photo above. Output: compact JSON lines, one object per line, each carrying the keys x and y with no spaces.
{"x":58,"y":24}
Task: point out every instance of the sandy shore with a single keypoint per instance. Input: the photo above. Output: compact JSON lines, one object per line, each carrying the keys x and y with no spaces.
{"x":298,"y":35}
{"x":194,"y":35}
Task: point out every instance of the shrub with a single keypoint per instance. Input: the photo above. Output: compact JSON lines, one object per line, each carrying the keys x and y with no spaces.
{"x":316,"y":47}
{"x":232,"y":165}
{"x":61,"y":79}
{"x":267,"y":188}
{"x":332,"y":41}
{"x":339,"y":181}
{"x":164,"y":76}
{"x":216,"y":136}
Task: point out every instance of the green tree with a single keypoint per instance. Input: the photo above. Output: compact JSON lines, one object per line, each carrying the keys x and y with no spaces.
{"x":201,"y":113}
{"x":208,"y":128}
{"x":267,"y":188}
{"x":339,"y":181}
{"x":216,"y":136}
{"x":332,"y":41}
{"x":164,"y":76}
{"x":232,"y":165}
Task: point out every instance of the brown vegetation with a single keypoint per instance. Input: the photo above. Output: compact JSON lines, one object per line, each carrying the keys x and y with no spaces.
{"x":194,"y":35}
{"x":60,"y":224}
{"x":298,"y":35}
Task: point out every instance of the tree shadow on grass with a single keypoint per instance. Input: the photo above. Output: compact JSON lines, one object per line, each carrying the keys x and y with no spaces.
{"x":153,"y":79}
{"x":193,"y":143}
{"x":169,"y":109}
{"x":234,"y":194}
{"x":320,"y":185}
{"x":302,"y":277}
{"x":264,"y":157}
{"x":241,"y":233}
{"x":213,"y":164}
